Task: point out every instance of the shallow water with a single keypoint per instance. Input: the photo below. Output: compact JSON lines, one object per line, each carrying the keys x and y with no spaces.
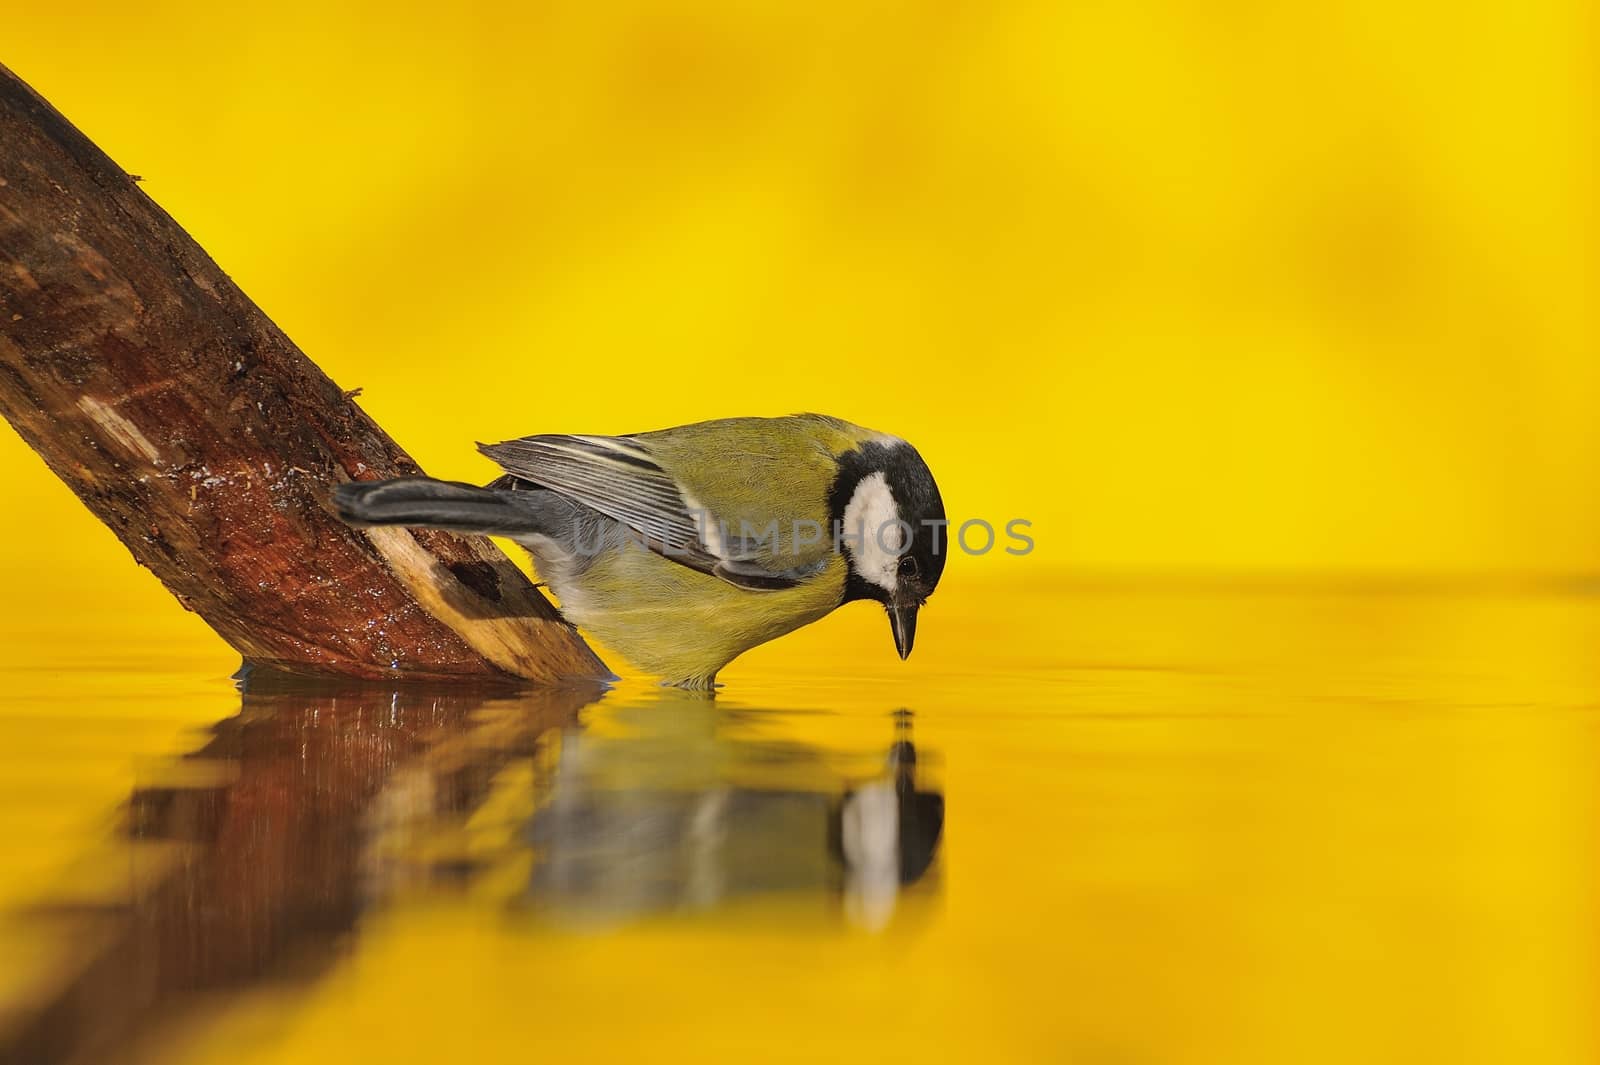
{"x":1121,"y":823}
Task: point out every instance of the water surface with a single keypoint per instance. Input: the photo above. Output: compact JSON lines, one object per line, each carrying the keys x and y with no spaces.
{"x":1123,"y":823}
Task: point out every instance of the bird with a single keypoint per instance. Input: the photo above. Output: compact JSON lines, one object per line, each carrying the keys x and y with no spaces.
{"x":682,"y":548}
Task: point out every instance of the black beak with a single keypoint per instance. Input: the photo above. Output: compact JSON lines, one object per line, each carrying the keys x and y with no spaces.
{"x":903,"y":620}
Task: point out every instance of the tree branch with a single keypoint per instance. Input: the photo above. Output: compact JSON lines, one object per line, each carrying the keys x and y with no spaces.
{"x":194,"y":428}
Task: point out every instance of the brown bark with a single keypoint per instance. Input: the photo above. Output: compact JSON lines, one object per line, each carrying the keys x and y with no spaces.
{"x":194,"y":428}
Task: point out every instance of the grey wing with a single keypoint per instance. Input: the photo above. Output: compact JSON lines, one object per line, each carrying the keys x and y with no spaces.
{"x":616,"y":476}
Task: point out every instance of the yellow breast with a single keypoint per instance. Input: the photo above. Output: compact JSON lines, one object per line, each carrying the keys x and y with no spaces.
{"x":681,"y":624}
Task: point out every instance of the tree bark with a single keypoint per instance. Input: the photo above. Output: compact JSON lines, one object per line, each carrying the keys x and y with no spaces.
{"x":194,"y":428}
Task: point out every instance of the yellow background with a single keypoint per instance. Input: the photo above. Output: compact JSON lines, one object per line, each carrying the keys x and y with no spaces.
{"x":1192,"y":286}
{"x":1205,"y":288}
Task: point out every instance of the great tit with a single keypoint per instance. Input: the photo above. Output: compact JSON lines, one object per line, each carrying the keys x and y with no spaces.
{"x":683,"y":548}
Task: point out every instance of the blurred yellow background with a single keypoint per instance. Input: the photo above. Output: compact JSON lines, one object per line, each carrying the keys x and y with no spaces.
{"x":1194,"y":287}
{"x":1207,"y":288}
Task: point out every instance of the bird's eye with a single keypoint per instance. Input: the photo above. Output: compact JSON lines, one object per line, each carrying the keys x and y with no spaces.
{"x":908,"y":566}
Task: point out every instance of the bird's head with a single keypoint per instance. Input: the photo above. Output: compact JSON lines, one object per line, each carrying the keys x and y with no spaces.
{"x":889,"y":522}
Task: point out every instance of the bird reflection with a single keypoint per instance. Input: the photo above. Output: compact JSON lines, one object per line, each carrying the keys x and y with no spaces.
{"x":674,"y":815}
{"x":886,"y":832}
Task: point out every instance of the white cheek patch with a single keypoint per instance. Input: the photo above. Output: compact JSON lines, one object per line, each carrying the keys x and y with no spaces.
{"x":874,"y":537}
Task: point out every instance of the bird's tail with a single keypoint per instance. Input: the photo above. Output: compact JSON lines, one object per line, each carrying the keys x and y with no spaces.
{"x":423,"y":502}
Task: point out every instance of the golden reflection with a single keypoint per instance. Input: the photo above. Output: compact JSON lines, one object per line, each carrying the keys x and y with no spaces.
{"x":1186,"y":824}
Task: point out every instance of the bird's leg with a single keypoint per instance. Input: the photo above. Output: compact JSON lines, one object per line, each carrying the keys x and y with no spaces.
{"x":694,"y":684}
